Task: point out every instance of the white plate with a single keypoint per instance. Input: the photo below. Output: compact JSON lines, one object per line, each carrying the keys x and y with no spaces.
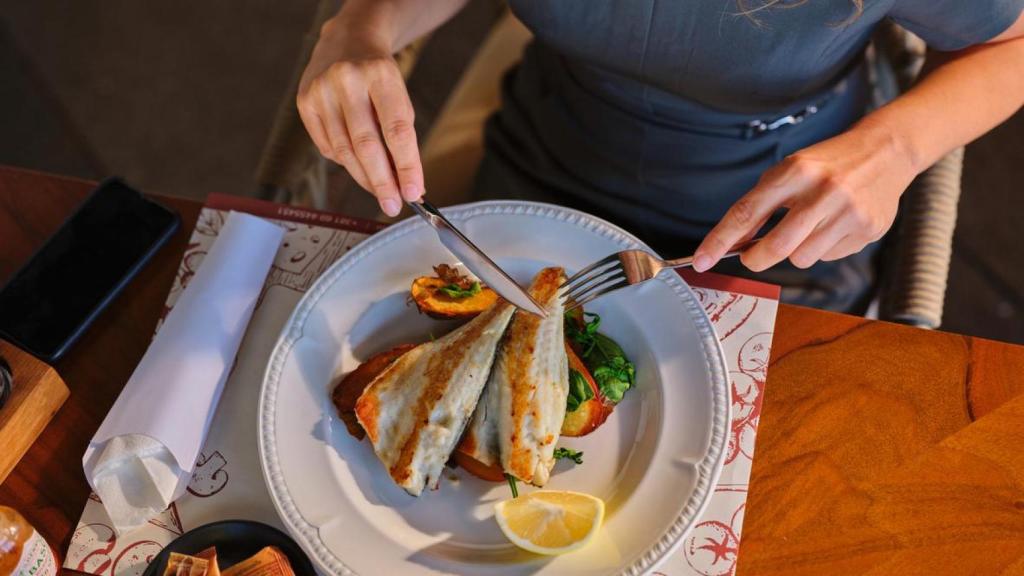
{"x":654,"y":462}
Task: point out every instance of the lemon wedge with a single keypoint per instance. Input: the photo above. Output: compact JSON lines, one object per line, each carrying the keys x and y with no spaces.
{"x":550,"y":521}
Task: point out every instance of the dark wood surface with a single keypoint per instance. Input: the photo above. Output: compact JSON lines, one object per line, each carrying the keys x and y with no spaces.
{"x":49,"y":486}
{"x":882,"y":449}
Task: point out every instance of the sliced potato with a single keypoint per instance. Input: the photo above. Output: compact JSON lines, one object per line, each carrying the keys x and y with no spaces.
{"x":586,"y":418}
{"x":590,"y":414}
{"x":492,"y":473}
{"x":426,"y":293}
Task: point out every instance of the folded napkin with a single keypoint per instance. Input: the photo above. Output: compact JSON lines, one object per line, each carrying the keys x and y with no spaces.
{"x":142,"y":456}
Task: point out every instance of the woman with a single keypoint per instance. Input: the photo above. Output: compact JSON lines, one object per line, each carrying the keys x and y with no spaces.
{"x":690,"y":122}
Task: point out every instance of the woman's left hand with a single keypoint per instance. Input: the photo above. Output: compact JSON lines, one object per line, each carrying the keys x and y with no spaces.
{"x":841,"y":195}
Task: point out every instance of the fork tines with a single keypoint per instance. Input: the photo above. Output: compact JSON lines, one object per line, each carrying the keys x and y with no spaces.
{"x":593,"y":281}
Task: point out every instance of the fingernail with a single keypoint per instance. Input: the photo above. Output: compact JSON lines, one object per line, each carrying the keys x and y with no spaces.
{"x":411,"y":192}
{"x":702,"y":263}
{"x":391,"y":206}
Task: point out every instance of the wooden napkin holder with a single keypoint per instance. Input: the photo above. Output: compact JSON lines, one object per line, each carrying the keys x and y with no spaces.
{"x":37,"y":392}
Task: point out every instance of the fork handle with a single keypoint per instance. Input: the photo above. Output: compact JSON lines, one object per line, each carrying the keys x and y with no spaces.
{"x":688,"y":261}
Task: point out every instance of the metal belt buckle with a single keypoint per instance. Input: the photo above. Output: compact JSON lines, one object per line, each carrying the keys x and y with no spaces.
{"x":758,"y":127}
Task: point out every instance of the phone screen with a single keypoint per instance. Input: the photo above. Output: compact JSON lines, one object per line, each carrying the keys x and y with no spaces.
{"x":50,"y":301}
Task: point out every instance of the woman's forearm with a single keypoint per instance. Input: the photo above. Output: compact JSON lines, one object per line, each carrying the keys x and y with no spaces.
{"x":392,"y":23}
{"x":960,"y":99}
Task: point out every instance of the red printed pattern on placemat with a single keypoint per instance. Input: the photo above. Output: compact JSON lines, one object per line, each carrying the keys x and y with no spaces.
{"x":275,"y":211}
{"x":723,"y":283}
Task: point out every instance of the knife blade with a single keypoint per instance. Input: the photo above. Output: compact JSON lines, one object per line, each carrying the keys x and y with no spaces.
{"x":476,"y":260}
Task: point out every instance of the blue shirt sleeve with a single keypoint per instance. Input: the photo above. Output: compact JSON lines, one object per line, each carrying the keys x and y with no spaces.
{"x":955,"y":24}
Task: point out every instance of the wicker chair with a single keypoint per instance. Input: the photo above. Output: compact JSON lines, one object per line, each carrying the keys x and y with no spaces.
{"x":917,"y":269}
{"x":916,"y":259}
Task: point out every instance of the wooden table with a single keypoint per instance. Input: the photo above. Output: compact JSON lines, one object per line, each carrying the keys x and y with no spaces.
{"x":882,"y":449}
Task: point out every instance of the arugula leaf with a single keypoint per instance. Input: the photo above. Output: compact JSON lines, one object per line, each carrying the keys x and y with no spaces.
{"x":569,"y":454}
{"x":456,"y":291}
{"x":613,"y":381}
{"x":612,"y":372}
{"x":583,"y":336}
{"x":579,"y":391}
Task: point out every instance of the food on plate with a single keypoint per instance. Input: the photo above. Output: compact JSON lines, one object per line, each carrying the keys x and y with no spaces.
{"x":491,"y":472}
{"x":352,"y":385}
{"x":414,"y":411}
{"x":494,"y":395}
{"x":550,"y":521}
{"x":450,"y":294}
{"x":185,"y":565}
{"x":569,"y":454}
{"x":518,"y":419}
{"x":479,"y":449}
{"x":612,"y":371}
{"x":586,"y":408}
{"x":210,"y":555}
{"x":531,"y":377}
{"x":269,"y":561}
{"x":485,"y":449}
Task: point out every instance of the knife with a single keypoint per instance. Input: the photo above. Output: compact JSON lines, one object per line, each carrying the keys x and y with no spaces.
{"x":475,"y":260}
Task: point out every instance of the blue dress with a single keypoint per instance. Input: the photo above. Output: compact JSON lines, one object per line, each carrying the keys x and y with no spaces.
{"x":659,"y":114}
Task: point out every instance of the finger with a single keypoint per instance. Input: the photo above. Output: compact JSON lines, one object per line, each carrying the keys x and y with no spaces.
{"x":315,"y":128}
{"x":753,"y":231}
{"x":824,"y":238}
{"x":785,"y":237}
{"x":368,"y":145}
{"x":847,"y":246}
{"x":395,"y":114}
{"x":743,"y":219}
{"x":339,"y":146}
{"x":749,"y":213}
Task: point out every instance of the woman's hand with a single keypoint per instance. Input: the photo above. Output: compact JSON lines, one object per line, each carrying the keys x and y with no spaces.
{"x":841,"y":194}
{"x":354,"y":104}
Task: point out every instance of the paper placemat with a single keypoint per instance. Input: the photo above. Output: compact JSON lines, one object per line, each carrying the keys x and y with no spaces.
{"x":228,"y":482}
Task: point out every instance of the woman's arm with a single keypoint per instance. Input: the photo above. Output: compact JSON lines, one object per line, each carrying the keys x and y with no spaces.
{"x":842,"y":194}
{"x":353,"y":100}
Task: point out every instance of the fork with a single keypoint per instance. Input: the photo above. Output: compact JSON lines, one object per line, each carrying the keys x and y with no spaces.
{"x":623,"y":269}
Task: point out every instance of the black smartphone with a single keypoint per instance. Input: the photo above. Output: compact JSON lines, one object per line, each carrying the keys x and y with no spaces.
{"x":54,"y":297}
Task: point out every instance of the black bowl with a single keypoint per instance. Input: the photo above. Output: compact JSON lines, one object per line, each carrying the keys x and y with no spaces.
{"x":235,"y":540}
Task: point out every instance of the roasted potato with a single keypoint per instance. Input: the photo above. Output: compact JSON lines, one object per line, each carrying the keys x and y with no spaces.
{"x":431,"y":300}
{"x":493,"y":473}
{"x":591,"y":413}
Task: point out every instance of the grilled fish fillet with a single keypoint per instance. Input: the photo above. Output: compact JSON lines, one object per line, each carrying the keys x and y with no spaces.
{"x":518,"y":420}
{"x":481,"y":438}
{"x":415,"y":411}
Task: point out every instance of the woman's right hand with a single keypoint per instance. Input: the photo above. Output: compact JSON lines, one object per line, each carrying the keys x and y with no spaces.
{"x":354,"y":103}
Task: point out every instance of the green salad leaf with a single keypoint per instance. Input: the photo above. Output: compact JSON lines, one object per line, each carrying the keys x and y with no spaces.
{"x":583,"y":336}
{"x":569,"y":454}
{"x":458,"y":292}
{"x":579,"y":391}
{"x":607,"y":362}
{"x":614,"y":378}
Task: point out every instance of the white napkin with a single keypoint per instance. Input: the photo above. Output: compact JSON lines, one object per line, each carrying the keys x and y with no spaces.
{"x":143,"y":454}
